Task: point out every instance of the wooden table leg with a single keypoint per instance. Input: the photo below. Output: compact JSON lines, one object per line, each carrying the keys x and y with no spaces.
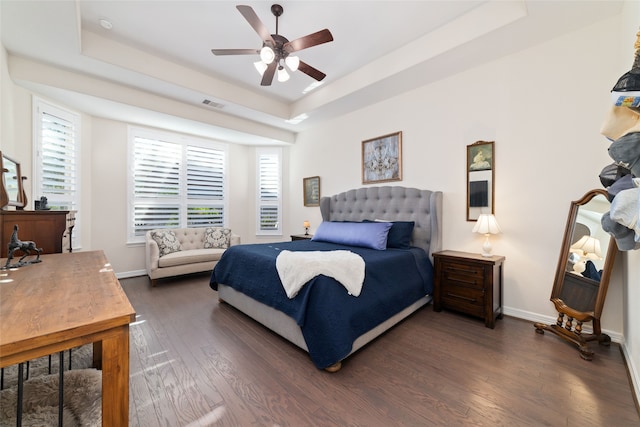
{"x":97,"y":355}
{"x":115,"y":379}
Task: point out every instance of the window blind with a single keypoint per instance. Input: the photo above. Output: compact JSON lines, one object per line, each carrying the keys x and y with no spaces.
{"x":269,"y":191}
{"x":176,"y":183}
{"x":58,"y":162}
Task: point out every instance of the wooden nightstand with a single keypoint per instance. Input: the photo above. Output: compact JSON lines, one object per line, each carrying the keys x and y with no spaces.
{"x":301,"y":237}
{"x":469,"y":283}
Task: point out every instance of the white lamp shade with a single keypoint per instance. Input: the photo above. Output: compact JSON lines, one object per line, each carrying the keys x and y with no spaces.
{"x":260,"y":66}
{"x":588,"y":247}
{"x":283,"y":76}
{"x":487,"y":224}
{"x":293,"y":62}
{"x":267,"y":55}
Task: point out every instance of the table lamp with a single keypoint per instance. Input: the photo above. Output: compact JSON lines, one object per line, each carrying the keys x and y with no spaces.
{"x":586,"y":248}
{"x":486,"y":225}
{"x":306,"y":226}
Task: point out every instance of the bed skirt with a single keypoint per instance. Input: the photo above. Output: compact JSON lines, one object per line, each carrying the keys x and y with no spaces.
{"x":287,"y":327}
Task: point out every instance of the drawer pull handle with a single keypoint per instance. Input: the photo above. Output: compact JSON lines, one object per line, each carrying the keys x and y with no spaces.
{"x":461,"y":297}
{"x":464,"y":270}
{"x":473,"y":283}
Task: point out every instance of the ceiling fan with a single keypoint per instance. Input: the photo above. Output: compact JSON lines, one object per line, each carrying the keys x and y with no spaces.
{"x":277,"y":49}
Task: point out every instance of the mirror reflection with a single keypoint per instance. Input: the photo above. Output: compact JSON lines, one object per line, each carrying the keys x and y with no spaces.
{"x":10,"y":177}
{"x":589,"y":242}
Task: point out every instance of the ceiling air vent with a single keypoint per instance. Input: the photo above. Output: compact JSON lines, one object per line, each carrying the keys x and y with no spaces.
{"x":212,"y":104}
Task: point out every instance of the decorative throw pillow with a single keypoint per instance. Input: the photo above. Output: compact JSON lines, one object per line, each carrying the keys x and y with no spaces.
{"x":217,"y":237}
{"x":167,"y":241}
{"x":400,"y":233}
{"x":366,"y":234}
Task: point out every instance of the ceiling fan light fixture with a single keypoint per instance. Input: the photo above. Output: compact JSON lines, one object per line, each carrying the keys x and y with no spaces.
{"x":276,"y":49}
{"x":293,"y":62}
{"x":283,"y":76}
{"x":267,"y":55}
{"x":260,"y":66}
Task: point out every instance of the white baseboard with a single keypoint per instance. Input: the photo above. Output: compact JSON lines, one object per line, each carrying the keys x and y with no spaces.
{"x":634,"y":374}
{"x":128,"y":274}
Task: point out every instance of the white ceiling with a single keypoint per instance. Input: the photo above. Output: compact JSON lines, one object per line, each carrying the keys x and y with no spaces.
{"x":163,"y":47}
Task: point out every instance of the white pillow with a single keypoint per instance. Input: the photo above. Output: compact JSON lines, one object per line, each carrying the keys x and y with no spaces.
{"x":167,"y":241}
{"x":217,"y":237}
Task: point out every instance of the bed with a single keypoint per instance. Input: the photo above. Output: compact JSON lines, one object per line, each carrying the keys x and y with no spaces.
{"x":323,"y":318}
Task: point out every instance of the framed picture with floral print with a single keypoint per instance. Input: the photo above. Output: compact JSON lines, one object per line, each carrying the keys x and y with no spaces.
{"x":382,"y":159}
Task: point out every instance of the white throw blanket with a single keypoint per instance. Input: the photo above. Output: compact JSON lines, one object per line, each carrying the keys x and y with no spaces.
{"x":297,"y":268}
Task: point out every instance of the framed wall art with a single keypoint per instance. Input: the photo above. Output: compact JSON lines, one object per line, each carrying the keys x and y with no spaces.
{"x":311,"y":191}
{"x":382,"y":159}
{"x":480,"y":179}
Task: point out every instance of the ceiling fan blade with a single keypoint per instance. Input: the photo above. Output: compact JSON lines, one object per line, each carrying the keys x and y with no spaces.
{"x":267,"y":77}
{"x":235,"y":51}
{"x":311,"y":72}
{"x":322,"y":36}
{"x":255,"y":23}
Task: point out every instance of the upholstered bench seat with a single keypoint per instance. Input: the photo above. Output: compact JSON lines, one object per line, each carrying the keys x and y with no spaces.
{"x":191,"y":256}
{"x":178,"y":251}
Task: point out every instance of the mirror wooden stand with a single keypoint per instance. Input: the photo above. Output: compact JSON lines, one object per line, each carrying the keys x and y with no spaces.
{"x":582,"y":275}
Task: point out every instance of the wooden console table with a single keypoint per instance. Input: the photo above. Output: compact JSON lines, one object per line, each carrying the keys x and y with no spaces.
{"x":66,"y":301}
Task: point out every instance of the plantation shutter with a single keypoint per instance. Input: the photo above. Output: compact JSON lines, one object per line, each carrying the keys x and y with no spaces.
{"x":59,"y":163}
{"x":269,"y":192}
{"x":156,"y":177}
{"x":175,"y":181}
{"x":205,"y":181}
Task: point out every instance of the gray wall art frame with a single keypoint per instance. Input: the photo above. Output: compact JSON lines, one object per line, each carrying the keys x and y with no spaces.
{"x":382,"y":159}
{"x":480,"y":179}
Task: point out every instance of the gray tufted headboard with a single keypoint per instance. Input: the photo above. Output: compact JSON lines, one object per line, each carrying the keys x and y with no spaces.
{"x":391,"y":204}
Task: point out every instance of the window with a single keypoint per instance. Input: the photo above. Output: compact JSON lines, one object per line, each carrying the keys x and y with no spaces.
{"x":56,"y":164}
{"x":175,"y":181}
{"x":269,"y":161}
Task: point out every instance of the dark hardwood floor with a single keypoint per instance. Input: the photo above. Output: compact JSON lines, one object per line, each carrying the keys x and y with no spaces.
{"x":197,"y":362}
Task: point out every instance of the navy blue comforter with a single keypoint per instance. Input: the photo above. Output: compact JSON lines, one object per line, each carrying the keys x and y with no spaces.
{"x":330,"y":318}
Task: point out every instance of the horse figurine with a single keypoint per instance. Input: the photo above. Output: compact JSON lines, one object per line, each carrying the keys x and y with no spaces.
{"x":27,"y":247}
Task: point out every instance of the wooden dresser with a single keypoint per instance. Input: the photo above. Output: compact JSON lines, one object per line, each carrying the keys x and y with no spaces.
{"x":46,"y":228}
{"x":469,"y":283}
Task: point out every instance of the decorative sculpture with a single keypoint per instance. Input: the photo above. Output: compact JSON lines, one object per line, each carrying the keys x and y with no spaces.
{"x":27,"y":247}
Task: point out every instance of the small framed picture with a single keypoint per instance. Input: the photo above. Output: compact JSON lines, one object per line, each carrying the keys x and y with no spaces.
{"x":311,"y":191}
{"x":382,"y":159}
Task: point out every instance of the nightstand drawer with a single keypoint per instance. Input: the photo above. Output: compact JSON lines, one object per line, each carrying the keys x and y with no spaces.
{"x":464,"y":274}
{"x":463,"y":298}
